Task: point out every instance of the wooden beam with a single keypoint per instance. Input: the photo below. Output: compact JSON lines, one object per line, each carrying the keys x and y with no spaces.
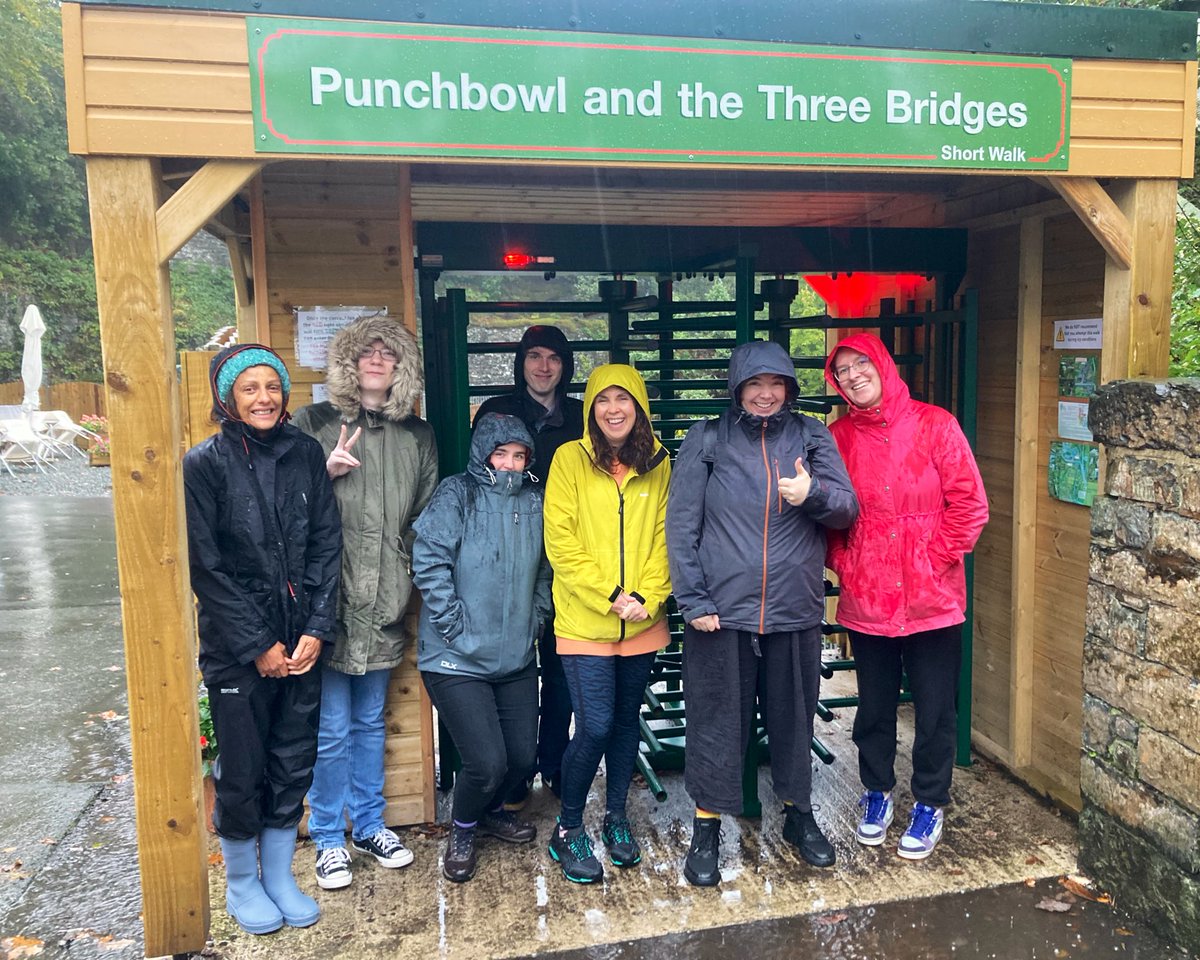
{"x":1187,"y":169}
{"x":258,"y":265}
{"x":191,"y":206}
{"x":1024,"y":497}
{"x":76,"y":100}
{"x":1107,"y":223}
{"x":408,"y":312}
{"x":138,"y":342}
{"x":1012,"y":218}
{"x":1137,"y":301}
{"x":243,"y":286}
{"x":408,"y":278}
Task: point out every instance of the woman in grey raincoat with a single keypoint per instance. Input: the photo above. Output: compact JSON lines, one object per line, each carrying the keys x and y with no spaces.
{"x":478,"y":563}
{"x":752,"y":495}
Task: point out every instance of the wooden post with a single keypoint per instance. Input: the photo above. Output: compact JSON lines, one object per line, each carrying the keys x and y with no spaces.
{"x":408,"y":311}
{"x":137,"y":338}
{"x":1024,"y":498}
{"x":1137,"y":301}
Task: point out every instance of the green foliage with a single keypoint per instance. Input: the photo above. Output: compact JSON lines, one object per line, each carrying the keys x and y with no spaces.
{"x":208,"y":737}
{"x":203,"y":300}
{"x":1185,"y":296}
{"x":43,"y":201}
{"x":65,"y":290}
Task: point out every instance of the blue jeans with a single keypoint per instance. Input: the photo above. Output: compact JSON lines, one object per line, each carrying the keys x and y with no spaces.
{"x":349,"y":770}
{"x":606,"y":693}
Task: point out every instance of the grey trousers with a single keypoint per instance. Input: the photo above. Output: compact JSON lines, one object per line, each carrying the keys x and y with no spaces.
{"x":723,"y":679}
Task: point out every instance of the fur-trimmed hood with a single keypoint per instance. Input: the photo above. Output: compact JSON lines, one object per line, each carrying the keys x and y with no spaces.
{"x":342,"y":378}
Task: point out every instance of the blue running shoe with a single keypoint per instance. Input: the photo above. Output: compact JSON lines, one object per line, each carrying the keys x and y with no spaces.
{"x":923,"y":833}
{"x":878,"y":812}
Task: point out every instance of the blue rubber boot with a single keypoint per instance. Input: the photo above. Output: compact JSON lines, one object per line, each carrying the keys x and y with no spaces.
{"x":245,"y":898}
{"x":276,"y":847}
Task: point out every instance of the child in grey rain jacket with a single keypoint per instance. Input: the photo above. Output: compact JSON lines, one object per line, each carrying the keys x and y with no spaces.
{"x":479,"y":565}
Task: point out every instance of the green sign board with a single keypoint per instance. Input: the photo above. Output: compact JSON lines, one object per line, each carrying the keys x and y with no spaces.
{"x":409,"y":90}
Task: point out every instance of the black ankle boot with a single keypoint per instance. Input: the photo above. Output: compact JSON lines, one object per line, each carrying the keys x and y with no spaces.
{"x":700,"y":868}
{"x":801,"y":831}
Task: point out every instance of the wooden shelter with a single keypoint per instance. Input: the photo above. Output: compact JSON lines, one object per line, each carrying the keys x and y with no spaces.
{"x":202,"y":114}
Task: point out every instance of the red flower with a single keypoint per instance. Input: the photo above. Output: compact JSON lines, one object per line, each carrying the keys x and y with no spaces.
{"x":203,"y":741}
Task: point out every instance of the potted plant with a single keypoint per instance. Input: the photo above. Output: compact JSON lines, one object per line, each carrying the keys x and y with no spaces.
{"x":208,"y":754}
{"x":98,"y":446}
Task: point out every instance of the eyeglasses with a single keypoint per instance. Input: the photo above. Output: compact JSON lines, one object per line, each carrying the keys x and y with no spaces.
{"x":848,"y":370}
{"x":382,"y":352}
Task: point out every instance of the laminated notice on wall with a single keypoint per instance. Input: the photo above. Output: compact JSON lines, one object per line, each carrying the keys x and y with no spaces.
{"x":1073,"y":420}
{"x":1078,"y":334}
{"x":315,"y":327}
{"x":1074,"y":471}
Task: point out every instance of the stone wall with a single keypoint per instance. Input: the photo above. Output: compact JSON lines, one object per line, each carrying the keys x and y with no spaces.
{"x":1139,"y":833}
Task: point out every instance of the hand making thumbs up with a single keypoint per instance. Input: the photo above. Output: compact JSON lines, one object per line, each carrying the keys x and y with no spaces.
{"x":340,"y":461}
{"x":795,"y":489}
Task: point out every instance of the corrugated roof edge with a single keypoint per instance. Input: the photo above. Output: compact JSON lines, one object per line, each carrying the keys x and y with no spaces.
{"x":973,"y":26}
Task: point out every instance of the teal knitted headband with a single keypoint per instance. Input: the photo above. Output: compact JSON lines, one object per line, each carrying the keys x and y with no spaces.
{"x":243,"y":360}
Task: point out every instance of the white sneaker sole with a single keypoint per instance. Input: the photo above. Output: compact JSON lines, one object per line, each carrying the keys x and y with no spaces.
{"x":335,"y":883}
{"x":391,"y":863}
{"x":875,"y":841}
{"x":919,"y":854}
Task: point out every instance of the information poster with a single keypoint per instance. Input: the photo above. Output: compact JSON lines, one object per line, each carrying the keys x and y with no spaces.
{"x":1077,"y":376}
{"x":1074,"y":471}
{"x":315,"y":327}
{"x":1073,"y":420}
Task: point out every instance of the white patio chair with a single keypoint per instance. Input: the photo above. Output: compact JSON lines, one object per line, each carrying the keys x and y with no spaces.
{"x":14,"y":451}
{"x":63,"y":431}
{"x":23,"y":445}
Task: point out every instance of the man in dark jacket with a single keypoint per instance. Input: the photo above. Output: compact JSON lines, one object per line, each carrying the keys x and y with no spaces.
{"x":264,"y":545}
{"x":751,"y":496}
{"x":542,"y":373}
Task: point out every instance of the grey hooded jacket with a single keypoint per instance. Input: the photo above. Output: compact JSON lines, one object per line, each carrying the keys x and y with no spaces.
{"x":479,"y":565}
{"x":736,"y":547}
{"x":378,"y":500}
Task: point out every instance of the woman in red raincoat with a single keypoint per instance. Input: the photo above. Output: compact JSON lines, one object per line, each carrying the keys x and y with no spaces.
{"x":903,"y":588}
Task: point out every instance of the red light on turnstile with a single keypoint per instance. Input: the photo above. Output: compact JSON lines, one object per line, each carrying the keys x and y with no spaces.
{"x":517,"y":261}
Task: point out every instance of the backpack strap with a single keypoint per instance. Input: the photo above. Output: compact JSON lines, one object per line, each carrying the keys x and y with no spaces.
{"x":708,"y":452}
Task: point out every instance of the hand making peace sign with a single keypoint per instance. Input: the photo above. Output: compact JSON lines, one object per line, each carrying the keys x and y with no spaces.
{"x":340,"y":461}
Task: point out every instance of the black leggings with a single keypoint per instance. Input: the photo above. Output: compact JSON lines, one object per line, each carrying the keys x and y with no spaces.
{"x":931,"y":660}
{"x":494,"y":727}
{"x":606,"y":693}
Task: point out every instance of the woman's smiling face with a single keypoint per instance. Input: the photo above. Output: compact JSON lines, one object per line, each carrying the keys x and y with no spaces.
{"x":764,"y":394}
{"x":857,"y":376}
{"x":258,"y":397}
{"x":615,"y":412}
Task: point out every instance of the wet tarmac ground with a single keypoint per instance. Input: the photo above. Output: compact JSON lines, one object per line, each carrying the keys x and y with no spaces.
{"x":68,"y":858}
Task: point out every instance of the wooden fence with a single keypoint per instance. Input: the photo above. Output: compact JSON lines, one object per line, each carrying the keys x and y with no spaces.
{"x":75,"y":398}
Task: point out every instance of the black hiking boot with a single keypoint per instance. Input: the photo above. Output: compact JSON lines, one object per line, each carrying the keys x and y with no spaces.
{"x":700,"y":867}
{"x":801,"y":831}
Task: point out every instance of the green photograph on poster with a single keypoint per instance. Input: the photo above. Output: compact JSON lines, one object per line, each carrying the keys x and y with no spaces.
{"x":1077,"y":376}
{"x":1074,"y":471}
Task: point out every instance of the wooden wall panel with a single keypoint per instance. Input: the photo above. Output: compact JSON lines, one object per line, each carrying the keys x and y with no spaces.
{"x":1073,"y":289}
{"x":992,"y":269}
{"x":167,"y":83}
{"x":331,"y":237}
